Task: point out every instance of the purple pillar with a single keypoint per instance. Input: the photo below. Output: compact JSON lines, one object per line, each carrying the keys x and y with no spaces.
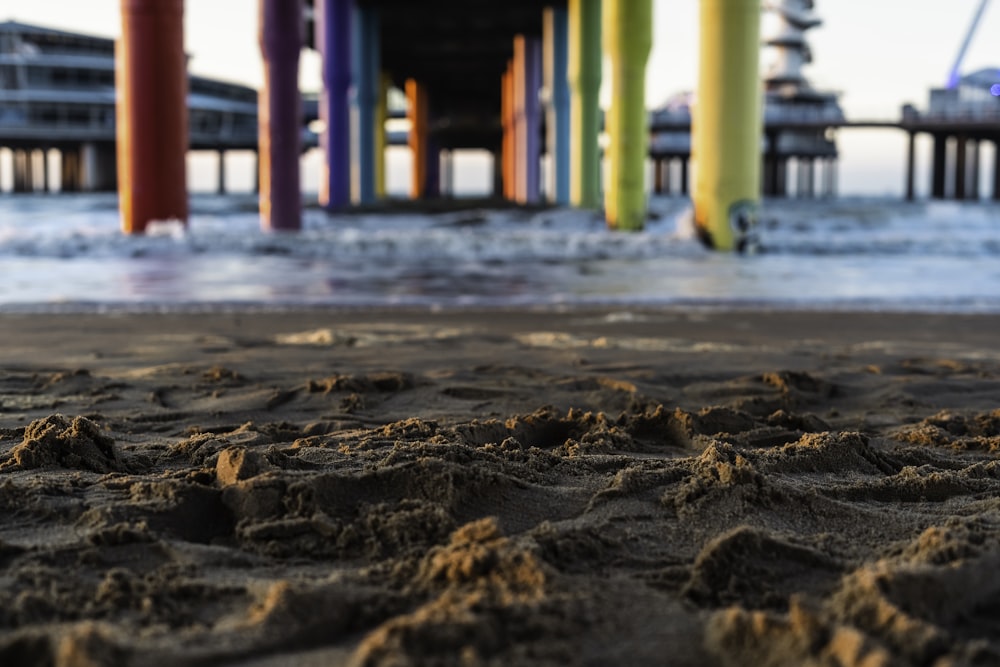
{"x":528,"y":116}
{"x":333,"y":41}
{"x":280,"y":115}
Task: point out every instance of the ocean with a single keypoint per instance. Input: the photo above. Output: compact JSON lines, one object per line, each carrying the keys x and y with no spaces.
{"x":64,"y":252}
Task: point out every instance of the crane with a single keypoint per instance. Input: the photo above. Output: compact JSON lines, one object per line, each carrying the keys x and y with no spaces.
{"x":954,"y":75}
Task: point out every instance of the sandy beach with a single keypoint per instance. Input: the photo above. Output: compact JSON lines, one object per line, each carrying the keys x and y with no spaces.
{"x":584,"y":487}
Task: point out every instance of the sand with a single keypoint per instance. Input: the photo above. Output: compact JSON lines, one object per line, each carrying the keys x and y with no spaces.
{"x":589,"y":487}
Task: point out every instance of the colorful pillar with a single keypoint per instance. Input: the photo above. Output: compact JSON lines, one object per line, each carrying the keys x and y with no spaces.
{"x":527,"y":116}
{"x":627,"y":42}
{"x":417,"y":111}
{"x":509,"y":152}
{"x":368,"y":85}
{"x":555,"y":41}
{"x":381,"y":116}
{"x":727,"y":124}
{"x":152,"y":114}
{"x":584,"y":75}
{"x":333,"y":41}
{"x":280,"y":115}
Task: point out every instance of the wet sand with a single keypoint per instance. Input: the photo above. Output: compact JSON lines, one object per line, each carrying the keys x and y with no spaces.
{"x":594,"y":487}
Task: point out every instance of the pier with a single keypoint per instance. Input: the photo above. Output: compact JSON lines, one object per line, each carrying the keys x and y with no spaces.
{"x":519,"y":81}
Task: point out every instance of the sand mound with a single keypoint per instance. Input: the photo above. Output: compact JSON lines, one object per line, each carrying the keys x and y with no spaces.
{"x":65,"y":442}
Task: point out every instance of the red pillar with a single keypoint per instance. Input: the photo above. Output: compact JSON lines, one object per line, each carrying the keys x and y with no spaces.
{"x":280,"y":115}
{"x":151,"y":73}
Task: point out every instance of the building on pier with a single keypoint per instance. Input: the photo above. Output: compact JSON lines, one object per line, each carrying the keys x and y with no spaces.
{"x":57,"y":93}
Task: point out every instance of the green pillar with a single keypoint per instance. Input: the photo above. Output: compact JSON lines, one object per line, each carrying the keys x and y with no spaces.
{"x":727,"y":124}
{"x":628,"y":39}
{"x":585,"y":86}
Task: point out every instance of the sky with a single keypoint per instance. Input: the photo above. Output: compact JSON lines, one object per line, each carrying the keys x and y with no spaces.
{"x":878,"y":54}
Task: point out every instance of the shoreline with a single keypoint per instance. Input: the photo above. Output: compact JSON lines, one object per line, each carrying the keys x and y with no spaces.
{"x":525,"y":487}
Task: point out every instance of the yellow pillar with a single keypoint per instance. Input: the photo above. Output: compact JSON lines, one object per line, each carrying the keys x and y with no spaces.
{"x":628,"y":39}
{"x":727,"y":124}
{"x":381,"y":116}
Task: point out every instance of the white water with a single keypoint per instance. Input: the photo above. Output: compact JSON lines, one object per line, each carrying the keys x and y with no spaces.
{"x":65,"y":252}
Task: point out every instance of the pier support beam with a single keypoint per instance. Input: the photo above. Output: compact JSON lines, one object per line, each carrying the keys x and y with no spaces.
{"x":939,"y":166}
{"x":728,"y":124}
{"x":961,"y":168}
{"x":20,"y":171}
{"x":527,"y":116}
{"x":419,"y":137}
{"x":996,"y":170}
{"x":367,"y":88}
{"x":628,"y":41}
{"x":46,"y":181}
{"x":221,"y":173}
{"x":556,"y":45}
{"x":68,"y":171}
{"x":911,"y":166}
{"x":333,"y":41}
{"x":973,"y":188}
{"x":152,"y":113}
{"x":585,"y":84}
{"x":280,"y":115}
{"x":97,"y":167}
{"x":497,"y":171}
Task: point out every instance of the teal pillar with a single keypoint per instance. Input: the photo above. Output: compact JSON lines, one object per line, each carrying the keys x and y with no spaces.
{"x":556,"y":45}
{"x":367,"y":75}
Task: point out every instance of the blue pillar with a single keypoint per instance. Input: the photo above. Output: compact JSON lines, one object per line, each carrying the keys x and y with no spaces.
{"x":333,"y":41}
{"x":556,"y":45}
{"x":367,"y":77}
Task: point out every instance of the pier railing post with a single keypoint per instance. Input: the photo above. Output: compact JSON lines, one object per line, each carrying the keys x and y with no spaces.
{"x":152,"y":125}
{"x":280,"y":115}
{"x":628,"y":40}
{"x":727,"y":124}
{"x":584,"y":75}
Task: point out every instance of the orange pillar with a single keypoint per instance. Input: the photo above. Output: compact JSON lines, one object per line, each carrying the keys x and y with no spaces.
{"x":416,"y":96}
{"x":151,"y":74}
{"x":507,"y":121}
